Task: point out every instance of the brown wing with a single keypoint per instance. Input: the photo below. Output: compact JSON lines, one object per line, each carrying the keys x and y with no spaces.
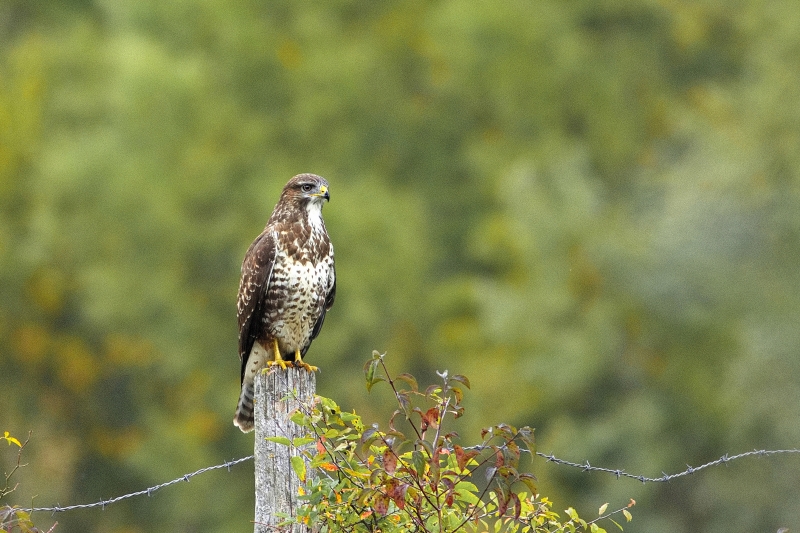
{"x":257,"y":267}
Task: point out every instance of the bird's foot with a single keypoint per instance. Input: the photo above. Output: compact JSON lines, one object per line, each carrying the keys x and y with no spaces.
{"x":309,"y":368}
{"x":276,"y":352}
{"x":279,"y":362}
{"x":299,"y":363}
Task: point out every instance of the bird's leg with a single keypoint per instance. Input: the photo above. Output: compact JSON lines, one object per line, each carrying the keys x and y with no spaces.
{"x":278,"y":359}
{"x":298,"y":362}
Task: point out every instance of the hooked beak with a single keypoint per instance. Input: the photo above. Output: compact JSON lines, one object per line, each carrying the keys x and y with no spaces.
{"x":323,"y":192}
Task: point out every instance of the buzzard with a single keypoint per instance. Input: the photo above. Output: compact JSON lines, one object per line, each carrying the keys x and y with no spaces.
{"x":288,"y":283}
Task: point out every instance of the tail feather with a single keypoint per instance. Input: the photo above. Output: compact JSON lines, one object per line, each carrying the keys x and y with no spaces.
{"x":256,"y":360}
{"x":244,"y":411}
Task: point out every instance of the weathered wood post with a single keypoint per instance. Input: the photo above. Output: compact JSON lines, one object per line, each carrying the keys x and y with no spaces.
{"x":278,"y":393}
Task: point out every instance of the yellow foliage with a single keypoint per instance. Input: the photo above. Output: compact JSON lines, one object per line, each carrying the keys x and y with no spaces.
{"x":116,"y":443}
{"x":204,"y":426}
{"x":289,"y":54}
{"x":30,"y":342}
{"x":460,"y":332}
{"x":123,"y":350}
{"x":47,"y":289}
{"x":11,"y":440}
{"x":77,"y":366}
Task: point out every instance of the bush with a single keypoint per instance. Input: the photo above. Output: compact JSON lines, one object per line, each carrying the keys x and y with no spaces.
{"x":371,"y":479}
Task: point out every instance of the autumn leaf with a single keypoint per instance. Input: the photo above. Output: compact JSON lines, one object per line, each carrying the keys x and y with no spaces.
{"x":380,"y":504}
{"x":11,"y":440}
{"x":396,"y":491}
{"x":463,"y":457}
{"x":389,"y":461}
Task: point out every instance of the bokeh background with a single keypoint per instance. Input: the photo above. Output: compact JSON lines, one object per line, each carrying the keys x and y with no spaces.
{"x":591,"y":208}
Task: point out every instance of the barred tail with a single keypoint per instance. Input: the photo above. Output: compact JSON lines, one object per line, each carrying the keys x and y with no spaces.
{"x":256,"y":360}
{"x":244,"y":411}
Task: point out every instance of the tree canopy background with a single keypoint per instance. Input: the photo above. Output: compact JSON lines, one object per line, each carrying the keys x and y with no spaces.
{"x":590,"y":208}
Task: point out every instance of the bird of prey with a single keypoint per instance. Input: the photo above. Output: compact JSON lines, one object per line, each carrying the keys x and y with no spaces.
{"x":288,"y":283}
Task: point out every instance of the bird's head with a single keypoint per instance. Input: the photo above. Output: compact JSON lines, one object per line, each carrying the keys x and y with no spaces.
{"x":307,"y":189}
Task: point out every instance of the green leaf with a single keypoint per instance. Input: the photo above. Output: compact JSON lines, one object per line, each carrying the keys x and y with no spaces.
{"x":299,"y":418}
{"x":350,"y":417}
{"x":329,"y":404}
{"x":299,"y":467}
{"x":302,"y":441}
{"x":467,"y":492}
{"x":373,"y":381}
{"x":369,"y":373}
{"x":530,"y":481}
{"x":279,"y":440}
{"x":369,"y":370}
{"x":433,"y":390}
{"x":419,"y":462}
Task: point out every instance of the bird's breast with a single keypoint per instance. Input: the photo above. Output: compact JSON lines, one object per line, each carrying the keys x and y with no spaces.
{"x":298,"y":289}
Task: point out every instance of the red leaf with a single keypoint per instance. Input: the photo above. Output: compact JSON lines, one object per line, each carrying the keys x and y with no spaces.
{"x":391,"y":420}
{"x":389,"y":461}
{"x":451,"y":487}
{"x":435,"y":457}
{"x":517,"y":505}
{"x":396,"y":490}
{"x":463,"y":457}
{"x":430,"y":419}
{"x":502,"y":502}
{"x":321,"y":446}
{"x":500,"y":460}
{"x":380,"y":503}
{"x":514,"y":450}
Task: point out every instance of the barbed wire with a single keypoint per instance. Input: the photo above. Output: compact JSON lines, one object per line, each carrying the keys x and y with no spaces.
{"x":725,"y":459}
{"x":149,"y":491}
{"x":585,"y":467}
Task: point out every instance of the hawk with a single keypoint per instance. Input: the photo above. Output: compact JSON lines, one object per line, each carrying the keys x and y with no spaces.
{"x":288,"y":283}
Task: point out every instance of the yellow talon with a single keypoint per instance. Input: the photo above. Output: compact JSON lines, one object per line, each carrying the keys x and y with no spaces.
{"x":280,"y":362}
{"x":278,"y":359}
{"x":298,"y":362}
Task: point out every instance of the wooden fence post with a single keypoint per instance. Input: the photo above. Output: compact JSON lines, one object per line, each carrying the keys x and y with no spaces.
{"x":278,"y":393}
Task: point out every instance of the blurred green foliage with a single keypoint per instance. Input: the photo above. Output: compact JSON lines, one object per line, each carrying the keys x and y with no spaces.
{"x":589,"y":207}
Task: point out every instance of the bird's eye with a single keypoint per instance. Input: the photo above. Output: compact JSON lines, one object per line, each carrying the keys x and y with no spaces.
{"x":307,"y":187}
